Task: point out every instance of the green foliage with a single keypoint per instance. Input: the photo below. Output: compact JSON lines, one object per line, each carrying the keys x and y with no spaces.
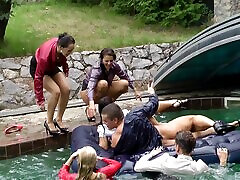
{"x":185,"y":13}
{"x":167,"y":12}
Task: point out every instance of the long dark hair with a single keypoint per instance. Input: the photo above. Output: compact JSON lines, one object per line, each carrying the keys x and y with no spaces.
{"x":64,"y":40}
{"x":108,"y":52}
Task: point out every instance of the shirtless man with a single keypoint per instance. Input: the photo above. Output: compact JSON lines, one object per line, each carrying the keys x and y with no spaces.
{"x":136,"y":133}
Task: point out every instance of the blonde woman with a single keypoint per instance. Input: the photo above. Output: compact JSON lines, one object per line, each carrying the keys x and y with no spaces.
{"x":87,"y":159}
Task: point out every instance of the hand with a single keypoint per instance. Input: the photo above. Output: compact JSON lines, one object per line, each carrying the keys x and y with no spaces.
{"x":222,"y":155}
{"x":75,"y":154}
{"x":137,"y":95}
{"x":91,"y":109}
{"x":99,"y":158}
{"x":156,"y":151}
{"x":41,"y":106}
{"x":100,"y":130}
{"x":150,"y":88}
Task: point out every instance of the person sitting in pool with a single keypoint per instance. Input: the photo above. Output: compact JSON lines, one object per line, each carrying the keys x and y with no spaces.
{"x":183,"y":163}
{"x":87,"y":158}
{"x":135,"y":134}
{"x":99,"y":82}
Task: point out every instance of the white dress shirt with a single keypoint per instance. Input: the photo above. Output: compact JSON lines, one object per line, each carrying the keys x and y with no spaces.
{"x":170,"y":165}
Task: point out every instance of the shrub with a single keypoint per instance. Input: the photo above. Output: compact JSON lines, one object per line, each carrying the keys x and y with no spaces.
{"x":185,"y":13}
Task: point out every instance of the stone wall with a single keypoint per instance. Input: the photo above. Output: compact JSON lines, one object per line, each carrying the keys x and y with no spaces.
{"x":16,"y":84}
{"x":224,"y":9}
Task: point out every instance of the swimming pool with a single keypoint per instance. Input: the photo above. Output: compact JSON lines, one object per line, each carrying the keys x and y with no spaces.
{"x":45,"y":166}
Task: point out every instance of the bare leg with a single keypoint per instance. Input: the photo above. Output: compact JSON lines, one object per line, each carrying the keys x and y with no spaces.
{"x":50,"y":85}
{"x":118,"y":88}
{"x":99,"y":92}
{"x":163,"y":105}
{"x":62,"y":83}
{"x":204,"y":133}
{"x":191,"y":123}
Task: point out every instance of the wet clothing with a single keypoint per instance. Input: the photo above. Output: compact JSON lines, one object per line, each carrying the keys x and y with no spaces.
{"x":170,"y":165}
{"x":109,"y":170}
{"x":138,"y":134}
{"x":98,"y":73}
{"x":47,"y":62}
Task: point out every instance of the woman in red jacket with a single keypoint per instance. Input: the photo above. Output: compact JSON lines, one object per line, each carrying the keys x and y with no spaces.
{"x":87,"y":158}
{"x":46,"y":74}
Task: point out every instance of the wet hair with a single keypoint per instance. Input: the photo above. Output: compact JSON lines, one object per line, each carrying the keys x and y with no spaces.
{"x":87,"y":159}
{"x":107,"y":52}
{"x":64,"y":40}
{"x":113,"y":111}
{"x":186,"y":141}
{"x":104,"y":102}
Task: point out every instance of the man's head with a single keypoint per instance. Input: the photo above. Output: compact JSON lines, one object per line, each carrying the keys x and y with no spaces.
{"x":185,"y":142}
{"x":112,"y":115}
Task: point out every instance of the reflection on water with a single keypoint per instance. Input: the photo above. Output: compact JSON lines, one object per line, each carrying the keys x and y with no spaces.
{"x":45,"y":166}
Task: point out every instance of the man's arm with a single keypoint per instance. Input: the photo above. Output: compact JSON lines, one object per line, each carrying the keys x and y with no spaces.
{"x":151,"y":106}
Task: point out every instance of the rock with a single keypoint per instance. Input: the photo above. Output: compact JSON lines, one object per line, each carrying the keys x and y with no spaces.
{"x":78,"y":65}
{"x":92,"y":59}
{"x":138,"y":74}
{"x":122,"y":65}
{"x":140,"y":63}
{"x":141,"y":53}
{"x":26,"y":61}
{"x":1,"y":77}
{"x":155,"y":49}
{"x":25,"y":72}
{"x":11,"y":88}
{"x":9,"y":63}
{"x":10,"y":74}
{"x":76,"y":56}
{"x":73,"y":84}
{"x":127,"y":59}
{"x":75,"y":73}
{"x":155,"y":57}
{"x":28,"y":98}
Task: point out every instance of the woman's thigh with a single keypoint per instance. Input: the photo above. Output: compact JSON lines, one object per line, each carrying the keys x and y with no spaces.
{"x":118,"y":86}
{"x":50,"y":85}
{"x":169,"y":130}
{"x":61,"y":81}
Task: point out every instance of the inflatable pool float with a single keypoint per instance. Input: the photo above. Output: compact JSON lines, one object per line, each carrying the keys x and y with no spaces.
{"x":205,"y":148}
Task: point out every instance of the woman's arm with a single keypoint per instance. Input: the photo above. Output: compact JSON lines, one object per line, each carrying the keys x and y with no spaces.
{"x":64,"y":173}
{"x":112,"y":167}
{"x":38,"y":83}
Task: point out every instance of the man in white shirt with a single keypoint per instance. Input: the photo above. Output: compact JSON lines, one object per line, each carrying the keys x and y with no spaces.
{"x":183,"y":164}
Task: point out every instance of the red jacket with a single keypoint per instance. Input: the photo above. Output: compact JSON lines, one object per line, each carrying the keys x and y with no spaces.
{"x":46,"y":62}
{"x":109,"y":170}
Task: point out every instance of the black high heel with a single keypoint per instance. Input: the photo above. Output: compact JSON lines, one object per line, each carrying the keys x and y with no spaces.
{"x":51,"y":132}
{"x":63,"y":130}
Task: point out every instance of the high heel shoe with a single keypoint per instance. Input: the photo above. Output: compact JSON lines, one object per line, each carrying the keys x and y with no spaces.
{"x":51,"y":132}
{"x":63,"y":130}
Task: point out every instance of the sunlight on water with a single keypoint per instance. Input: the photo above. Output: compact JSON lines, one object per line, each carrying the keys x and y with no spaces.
{"x":45,"y":166}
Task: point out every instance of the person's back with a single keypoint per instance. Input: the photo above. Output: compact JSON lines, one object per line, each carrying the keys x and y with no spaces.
{"x":137,"y":134}
{"x":182,"y":164}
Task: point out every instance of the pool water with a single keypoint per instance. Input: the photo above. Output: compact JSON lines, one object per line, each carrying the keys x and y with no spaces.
{"x":45,"y":166}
